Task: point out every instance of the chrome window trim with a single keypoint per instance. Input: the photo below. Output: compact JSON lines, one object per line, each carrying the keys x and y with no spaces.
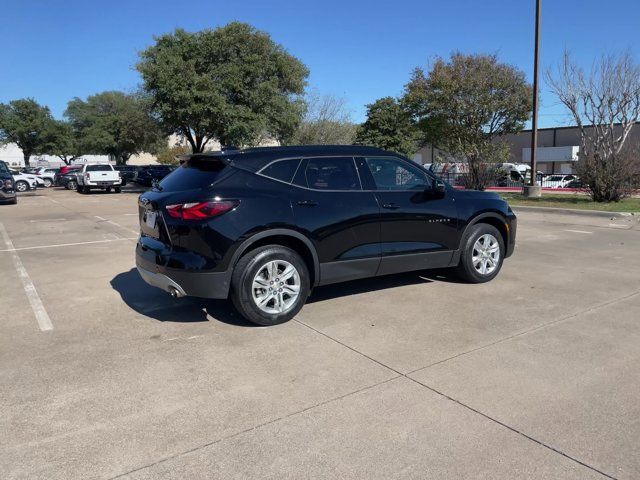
{"x":304,"y":157}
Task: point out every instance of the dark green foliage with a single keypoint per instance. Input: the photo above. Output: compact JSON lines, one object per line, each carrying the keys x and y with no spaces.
{"x":388,"y":126}
{"x":27,"y":124}
{"x":232,"y":84}
{"x":463,"y":105}
{"x":116,"y":124}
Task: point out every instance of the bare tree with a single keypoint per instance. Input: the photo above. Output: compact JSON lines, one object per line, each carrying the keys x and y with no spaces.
{"x":605,"y":104}
{"x":327,"y":121}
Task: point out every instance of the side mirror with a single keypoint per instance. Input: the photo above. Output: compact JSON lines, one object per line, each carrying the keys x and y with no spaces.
{"x":439,"y":188}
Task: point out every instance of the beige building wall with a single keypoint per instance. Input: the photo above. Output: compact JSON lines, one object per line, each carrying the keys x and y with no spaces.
{"x":174,"y":140}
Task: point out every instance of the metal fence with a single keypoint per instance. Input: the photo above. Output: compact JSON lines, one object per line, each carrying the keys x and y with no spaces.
{"x":546,"y":180}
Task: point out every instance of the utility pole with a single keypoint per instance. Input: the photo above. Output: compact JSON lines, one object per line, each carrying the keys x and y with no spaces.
{"x":533,"y":189}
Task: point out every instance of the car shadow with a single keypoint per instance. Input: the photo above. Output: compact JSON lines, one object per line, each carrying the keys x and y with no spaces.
{"x":158,"y":305}
{"x":373,"y":284}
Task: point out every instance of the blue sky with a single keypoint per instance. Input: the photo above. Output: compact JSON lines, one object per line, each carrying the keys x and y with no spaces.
{"x":358,"y":50}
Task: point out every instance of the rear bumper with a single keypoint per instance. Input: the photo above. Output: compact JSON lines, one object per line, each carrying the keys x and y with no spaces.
{"x":512,"y":223}
{"x":151,"y":264}
{"x":105,"y":184}
{"x":7,"y":195}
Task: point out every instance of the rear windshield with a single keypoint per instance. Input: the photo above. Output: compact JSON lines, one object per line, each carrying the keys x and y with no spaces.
{"x":99,"y":168}
{"x":3,"y":167}
{"x":194,"y":173}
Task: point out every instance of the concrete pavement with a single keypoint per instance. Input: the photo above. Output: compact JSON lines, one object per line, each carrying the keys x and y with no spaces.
{"x":410,"y":376}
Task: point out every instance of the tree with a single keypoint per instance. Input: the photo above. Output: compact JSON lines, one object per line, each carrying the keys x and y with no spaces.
{"x":326,"y":122}
{"x":605,"y":104}
{"x":63,"y":142}
{"x":170,"y":155}
{"x":27,"y":124}
{"x":466,"y":104}
{"x":388,"y":126}
{"x":233,"y":84}
{"x":116,"y":124}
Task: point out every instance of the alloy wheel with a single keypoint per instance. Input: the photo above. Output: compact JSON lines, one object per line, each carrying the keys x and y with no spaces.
{"x":276,"y":287}
{"x":486,"y":254}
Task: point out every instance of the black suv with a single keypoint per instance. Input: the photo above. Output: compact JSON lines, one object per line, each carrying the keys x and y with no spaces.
{"x":7,"y":185}
{"x":265,"y":225}
{"x":149,"y":174}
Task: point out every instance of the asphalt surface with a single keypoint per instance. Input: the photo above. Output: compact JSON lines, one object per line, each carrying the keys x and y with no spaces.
{"x":534,"y":375}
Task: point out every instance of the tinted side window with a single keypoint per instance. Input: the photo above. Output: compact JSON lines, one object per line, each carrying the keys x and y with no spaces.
{"x":332,"y":173}
{"x":99,"y":168}
{"x":282,"y":170}
{"x":394,"y":174}
{"x":194,"y":173}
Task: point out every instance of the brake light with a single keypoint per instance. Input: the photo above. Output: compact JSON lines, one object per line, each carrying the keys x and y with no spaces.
{"x":86,"y":176}
{"x":201,"y":210}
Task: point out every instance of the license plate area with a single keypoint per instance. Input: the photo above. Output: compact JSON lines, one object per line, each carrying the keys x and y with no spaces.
{"x":149,"y":224}
{"x":150,"y":219}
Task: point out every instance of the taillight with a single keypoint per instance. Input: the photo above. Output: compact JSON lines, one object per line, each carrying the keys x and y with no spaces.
{"x":86,"y":176}
{"x":8,"y":184}
{"x":201,"y":210}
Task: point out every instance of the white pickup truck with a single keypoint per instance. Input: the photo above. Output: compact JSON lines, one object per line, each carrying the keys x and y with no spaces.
{"x":98,"y":176}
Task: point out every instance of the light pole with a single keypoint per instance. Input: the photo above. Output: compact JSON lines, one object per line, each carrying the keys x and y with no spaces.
{"x":533,"y":189}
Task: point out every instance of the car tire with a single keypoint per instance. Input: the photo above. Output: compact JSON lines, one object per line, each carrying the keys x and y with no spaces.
{"x":47,"y":182}
{"x":108,"y":189}
{"x":254,"y":276}
{"x":71,"y":185}
{"x":482,"y":252}
{"x":22,"y":186}
{"x":117,"y":189}
{"x":86,"y":190}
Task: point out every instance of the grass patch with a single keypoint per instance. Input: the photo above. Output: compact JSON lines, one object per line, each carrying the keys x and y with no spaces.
{"x":572,"y":200}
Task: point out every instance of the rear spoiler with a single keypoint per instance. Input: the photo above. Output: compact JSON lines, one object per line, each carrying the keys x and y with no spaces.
{"x":211,"y":155}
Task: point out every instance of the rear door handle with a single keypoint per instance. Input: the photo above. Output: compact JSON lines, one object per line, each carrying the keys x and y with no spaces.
{"x":391,"y":206}
{"x":307,"y":203}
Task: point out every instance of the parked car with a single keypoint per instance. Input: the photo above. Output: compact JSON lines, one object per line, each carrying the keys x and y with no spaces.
{"x":129,"y":173}
{"x":25,"y":182}
{"x":7,"y":185}
{"x":150,"y":173}
{"x":576,"y":183}
{"x":100,"y":176}
{"x":47,"y":175}
{"x":265,"y":225}
{"x":557,"y":181}
{"x":68,"y":179}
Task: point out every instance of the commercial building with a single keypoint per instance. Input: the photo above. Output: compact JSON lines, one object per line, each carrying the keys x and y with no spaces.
{"x":557,"y":152}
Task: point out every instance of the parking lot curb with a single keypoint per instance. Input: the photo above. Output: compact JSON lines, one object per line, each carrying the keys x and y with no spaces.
{"x":572,"y":211}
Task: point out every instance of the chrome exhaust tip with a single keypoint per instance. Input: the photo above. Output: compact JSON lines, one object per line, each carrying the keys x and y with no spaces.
{"x":175,"y":293}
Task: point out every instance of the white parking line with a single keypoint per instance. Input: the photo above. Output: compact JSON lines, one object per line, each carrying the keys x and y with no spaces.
{"x":578,"y":231}
{"x":48,"y":220}
{"x":111,"y":222}
{"x":12,"y":249}
{"x":29,"y":288}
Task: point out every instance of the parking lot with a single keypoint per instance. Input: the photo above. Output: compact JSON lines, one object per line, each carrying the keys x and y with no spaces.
{"x":533,"y":375}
